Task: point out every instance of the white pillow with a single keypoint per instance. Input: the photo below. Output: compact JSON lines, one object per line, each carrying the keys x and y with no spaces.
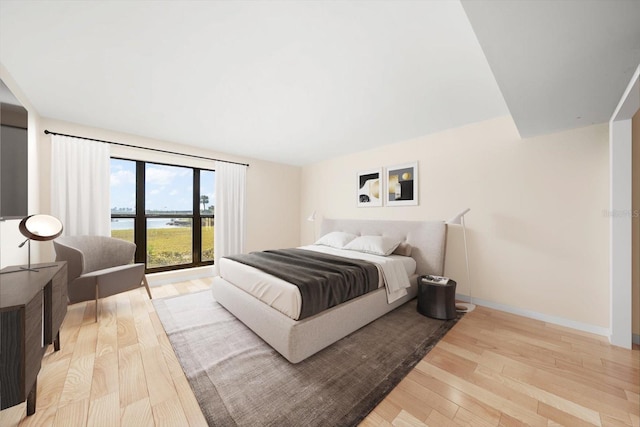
{"x":336,"y":239}
{"x":377,"y":245}
{"x":403,"y":249}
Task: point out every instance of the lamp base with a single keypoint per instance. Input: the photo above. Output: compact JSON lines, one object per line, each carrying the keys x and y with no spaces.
{"x":19,"y":269}
{"x":465,"y":307}
{"x":39,"y":267}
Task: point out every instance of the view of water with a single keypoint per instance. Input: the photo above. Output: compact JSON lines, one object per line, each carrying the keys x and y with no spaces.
{"x":127,"y":224}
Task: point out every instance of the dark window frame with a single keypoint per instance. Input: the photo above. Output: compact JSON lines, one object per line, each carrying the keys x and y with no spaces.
{"x":140,"y":218}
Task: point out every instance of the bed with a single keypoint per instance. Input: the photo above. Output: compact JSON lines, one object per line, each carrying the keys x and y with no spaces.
{"x":298,"y":339}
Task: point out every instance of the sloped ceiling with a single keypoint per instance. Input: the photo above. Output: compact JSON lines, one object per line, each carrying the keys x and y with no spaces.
{"x":299,"y":82}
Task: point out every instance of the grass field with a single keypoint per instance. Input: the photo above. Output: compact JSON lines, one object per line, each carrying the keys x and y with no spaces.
{"x":171,"y":246}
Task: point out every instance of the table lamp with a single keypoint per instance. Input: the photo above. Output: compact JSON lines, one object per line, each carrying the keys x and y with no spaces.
{"x":38,"y":227}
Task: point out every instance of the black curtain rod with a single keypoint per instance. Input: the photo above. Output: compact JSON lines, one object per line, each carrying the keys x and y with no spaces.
{"x":48,"y":132}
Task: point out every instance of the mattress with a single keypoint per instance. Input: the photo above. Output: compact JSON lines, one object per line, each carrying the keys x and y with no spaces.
{"x":284,"y":296}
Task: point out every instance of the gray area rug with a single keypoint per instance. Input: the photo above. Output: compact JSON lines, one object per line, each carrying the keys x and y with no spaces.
{"x":239,"y":380}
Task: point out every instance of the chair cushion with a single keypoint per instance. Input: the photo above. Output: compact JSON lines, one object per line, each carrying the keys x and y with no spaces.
{"x":110,"y":281}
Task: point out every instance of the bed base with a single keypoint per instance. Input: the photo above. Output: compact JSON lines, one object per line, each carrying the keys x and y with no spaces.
{"x":298,"y":339}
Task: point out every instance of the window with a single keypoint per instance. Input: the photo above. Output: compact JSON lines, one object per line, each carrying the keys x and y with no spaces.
{"x":123,"y":199}
{"x":157,"y":206}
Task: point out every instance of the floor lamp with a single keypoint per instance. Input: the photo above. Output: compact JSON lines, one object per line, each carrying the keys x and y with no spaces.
{"x":41,"y":228}
{"x":459,"y":220}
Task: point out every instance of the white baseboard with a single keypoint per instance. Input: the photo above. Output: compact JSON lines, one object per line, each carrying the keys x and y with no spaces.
{"x":585,"y":327}
{"x":158,"y":279}
{"x":635,"y":339}
{"x":175,"y":276}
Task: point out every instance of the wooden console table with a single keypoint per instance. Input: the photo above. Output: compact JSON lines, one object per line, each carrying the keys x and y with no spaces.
{"x":32,"y":307}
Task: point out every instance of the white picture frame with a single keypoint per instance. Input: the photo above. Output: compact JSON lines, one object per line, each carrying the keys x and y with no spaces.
{"x":401,"y":182}
{"x":370,"y":191}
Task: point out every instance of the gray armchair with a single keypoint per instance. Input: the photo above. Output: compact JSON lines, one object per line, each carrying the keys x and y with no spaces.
{"x":99,"y":267}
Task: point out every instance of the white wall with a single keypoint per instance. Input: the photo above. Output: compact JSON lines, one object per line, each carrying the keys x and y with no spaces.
{"x":10,"y":236}
{"x":635,"y":186}
{"x":537,"y":230}
{"x":273,"y":190}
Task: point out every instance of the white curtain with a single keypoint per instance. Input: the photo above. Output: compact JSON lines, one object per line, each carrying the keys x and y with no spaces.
{"x":80,"y":185}
{"x":230,"y":223}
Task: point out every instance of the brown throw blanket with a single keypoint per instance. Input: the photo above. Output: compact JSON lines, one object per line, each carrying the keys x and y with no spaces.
{"x":324,"y":280}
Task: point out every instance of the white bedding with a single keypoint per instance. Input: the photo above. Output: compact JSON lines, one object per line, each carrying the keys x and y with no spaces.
{"x":285,"y":297}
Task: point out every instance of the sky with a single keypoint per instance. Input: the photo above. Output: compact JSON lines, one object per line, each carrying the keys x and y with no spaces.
{"x":168,"y":188}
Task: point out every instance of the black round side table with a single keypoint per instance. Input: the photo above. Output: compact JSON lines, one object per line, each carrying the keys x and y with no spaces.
{"x":437,"y":300}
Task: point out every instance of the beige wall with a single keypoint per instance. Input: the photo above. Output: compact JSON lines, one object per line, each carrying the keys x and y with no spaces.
{"x":635,"y":185}
{"x":537,"y":230}
{"x":538,"y":235}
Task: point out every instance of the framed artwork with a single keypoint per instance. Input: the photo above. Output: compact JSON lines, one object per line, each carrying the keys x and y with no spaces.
{"x":402,"y":185}
{"x":370,"y":192}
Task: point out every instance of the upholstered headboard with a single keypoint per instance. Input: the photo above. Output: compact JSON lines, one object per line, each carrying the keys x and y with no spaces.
{"x":427,"y":238}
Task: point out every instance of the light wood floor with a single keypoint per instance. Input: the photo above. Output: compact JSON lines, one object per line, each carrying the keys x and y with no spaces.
{"x":492,"y":369}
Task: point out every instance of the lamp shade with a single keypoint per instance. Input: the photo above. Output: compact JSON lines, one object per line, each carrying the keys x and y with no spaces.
{"x":457,"y":219}
{"x":312,"y":217}
{"x":40,"y":227}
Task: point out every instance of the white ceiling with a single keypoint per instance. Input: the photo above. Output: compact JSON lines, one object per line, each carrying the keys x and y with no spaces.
{"x":298,"y":82}
{"x":560,"y":64}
